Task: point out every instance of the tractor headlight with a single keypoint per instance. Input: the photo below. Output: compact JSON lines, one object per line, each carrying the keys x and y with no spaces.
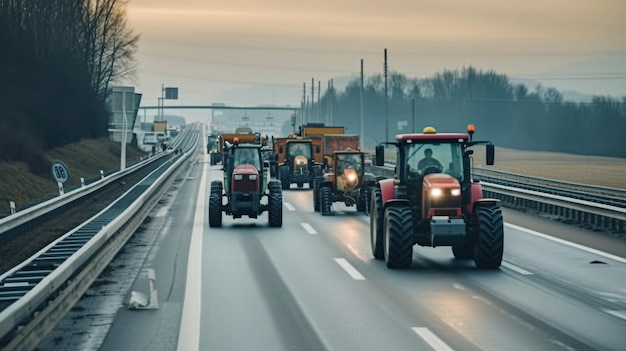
{"x":435,"y":192}
{"x":238,"y":177}
{"x":301,"y":161}
{"x":352,"y":177}
{"x":455,"y":192}
{"x":252,"y":177}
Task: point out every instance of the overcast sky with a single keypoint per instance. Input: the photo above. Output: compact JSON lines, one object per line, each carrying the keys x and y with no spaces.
{"x":224,"y":50}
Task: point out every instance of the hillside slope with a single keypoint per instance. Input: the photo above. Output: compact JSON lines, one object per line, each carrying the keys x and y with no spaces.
{"x":84,"y":159}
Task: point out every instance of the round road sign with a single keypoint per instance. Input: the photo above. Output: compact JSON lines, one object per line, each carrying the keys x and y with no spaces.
{"x":60,"y":172}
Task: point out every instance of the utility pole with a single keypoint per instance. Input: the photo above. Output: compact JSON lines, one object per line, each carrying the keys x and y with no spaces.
{"x":318,"y":107}
{"x":362,"y":138}
{"x":312,"y":95}
{"x":303,"y":109}
{"x":386,"y":101}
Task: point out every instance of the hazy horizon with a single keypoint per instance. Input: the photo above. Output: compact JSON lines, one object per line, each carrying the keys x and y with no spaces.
{"x":246,"y":52}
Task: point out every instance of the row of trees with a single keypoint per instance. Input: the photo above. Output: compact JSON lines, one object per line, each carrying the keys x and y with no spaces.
{"x":508,"y":114}
{"x":57,"y":60}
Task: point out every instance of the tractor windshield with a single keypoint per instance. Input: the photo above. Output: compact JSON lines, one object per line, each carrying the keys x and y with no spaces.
{"x":425,"y":158}
{"x":345,"y":160}
{"x":248,"y":156}
{"x":299,"y":149}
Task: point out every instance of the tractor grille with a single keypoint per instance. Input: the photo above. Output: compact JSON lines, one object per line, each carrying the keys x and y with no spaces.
{"x":246,"y":185}
{"x":450,"y":212}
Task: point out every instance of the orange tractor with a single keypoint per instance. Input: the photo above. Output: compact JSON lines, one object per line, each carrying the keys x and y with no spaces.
{"x":433,"y":201}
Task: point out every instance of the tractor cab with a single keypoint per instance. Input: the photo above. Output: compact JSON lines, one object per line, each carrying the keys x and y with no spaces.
{"x":349,"y":167}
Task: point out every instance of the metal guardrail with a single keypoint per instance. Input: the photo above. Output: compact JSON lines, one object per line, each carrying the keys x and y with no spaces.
{"x":58,"y":286}
{"x":592,"y":213}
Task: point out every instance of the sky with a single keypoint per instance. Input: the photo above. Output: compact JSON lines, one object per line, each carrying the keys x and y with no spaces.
{"x":251,"y":52}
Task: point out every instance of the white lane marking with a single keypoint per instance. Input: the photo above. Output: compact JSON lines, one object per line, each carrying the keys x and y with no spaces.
{"x":516,"y":268}
{"x":618,"y":314}
{"x":308,"y":228}
{"x":432,"y":339}
{"x":564,"y":242}
{"x":349,"y":269}
{"x":289,"y":206}
{"x":189,"y":333}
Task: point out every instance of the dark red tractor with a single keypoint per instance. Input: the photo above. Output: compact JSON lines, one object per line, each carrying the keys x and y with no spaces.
{"x":247,"y":189}
{"x":433,"y":201}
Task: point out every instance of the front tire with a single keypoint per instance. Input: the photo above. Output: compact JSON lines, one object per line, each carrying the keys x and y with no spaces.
{"x":275,"y":214}
{"x":398,"y":237}
{"x":490,"y":241}
{"x":376,"y":224}
{"x":316,"y":189}
{"x":215,"y":204}
{"x":325,"y":199}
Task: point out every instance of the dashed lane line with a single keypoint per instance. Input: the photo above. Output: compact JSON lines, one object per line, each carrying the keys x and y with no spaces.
{"x":308,"y":228}
{"x":343,"y":263}
{"x":431,"y":339}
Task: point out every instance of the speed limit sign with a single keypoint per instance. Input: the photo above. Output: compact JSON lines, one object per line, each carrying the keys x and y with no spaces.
{"x":60,"y":172}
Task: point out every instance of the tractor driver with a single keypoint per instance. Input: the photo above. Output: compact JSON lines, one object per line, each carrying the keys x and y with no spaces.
{"x":429,"y":162}
{"x":245,"y":157}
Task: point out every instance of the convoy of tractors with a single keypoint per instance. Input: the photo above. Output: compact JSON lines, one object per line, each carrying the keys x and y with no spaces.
{"x":432,"y":200}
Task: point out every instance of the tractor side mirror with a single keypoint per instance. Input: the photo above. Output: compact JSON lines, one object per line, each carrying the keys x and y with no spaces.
{"x":380,"y":156}
{"x":490,"y":154}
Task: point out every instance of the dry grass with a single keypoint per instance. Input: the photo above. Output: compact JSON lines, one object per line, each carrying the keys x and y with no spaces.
{"x":595,"y":170}
{"x":84,"y":159}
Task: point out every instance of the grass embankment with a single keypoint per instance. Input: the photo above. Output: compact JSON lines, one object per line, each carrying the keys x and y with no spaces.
{"x":594,"y":170}
{"x":84,"y":159}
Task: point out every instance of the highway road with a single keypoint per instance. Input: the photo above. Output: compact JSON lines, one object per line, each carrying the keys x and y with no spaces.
{"x":314,"y":285}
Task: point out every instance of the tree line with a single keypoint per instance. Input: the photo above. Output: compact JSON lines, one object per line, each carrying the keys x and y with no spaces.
{"x":57,"y":61}
{"x":510,"y":115}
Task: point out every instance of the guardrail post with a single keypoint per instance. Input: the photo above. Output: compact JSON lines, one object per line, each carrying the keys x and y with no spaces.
{"x":101,"y":174}
{"x":82,"y":181}
{"x":61,"y":191}
{"x":12,"y":206}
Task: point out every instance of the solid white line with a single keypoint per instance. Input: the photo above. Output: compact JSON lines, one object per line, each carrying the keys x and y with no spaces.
{"x":618,"y":314}
{"x":289,"y":206}
{"x":308,"y":228}
{"x":349,"y":269}
{"x":432,"y":339}
{"x":516,"y":268}
{"x":564,"y":242}
{"x":189,"y":333}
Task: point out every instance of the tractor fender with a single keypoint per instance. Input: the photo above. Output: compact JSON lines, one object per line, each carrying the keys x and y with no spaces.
{"x":387,"y":189}
{"x":486,"y":202}
{"x":396,"y":203}
{"x":476,"y":194}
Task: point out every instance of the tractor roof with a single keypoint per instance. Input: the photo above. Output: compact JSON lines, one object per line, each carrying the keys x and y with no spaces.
{"x":456,"y":137}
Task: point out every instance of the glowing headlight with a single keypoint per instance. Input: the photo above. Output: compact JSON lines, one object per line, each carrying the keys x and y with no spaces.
{"x":436,"y":192}
{"x":352,"y":177}
{"x":238,"y":176}
{"x":455,"y":192}
{"x":252,"y":177}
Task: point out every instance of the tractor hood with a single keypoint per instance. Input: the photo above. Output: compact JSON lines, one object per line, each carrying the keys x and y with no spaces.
{"x":440,"y":180}
{"x":245,"y":169}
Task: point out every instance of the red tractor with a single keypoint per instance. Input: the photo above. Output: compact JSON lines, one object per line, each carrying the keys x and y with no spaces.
{"x":247,"y":188}
{"x":433,"y":201}
{"x":347,"y":182}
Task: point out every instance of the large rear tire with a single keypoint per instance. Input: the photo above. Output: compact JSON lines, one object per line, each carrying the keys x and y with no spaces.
{"x":398,"y":242}
{"x":215,"y":204}
{"x":316,"y":189}
{"x":285,"y":179}
{"x":275,"y":214}
{"x":326,"y":201}
{"x":490,"y":240}
{"x":376,"y":224}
